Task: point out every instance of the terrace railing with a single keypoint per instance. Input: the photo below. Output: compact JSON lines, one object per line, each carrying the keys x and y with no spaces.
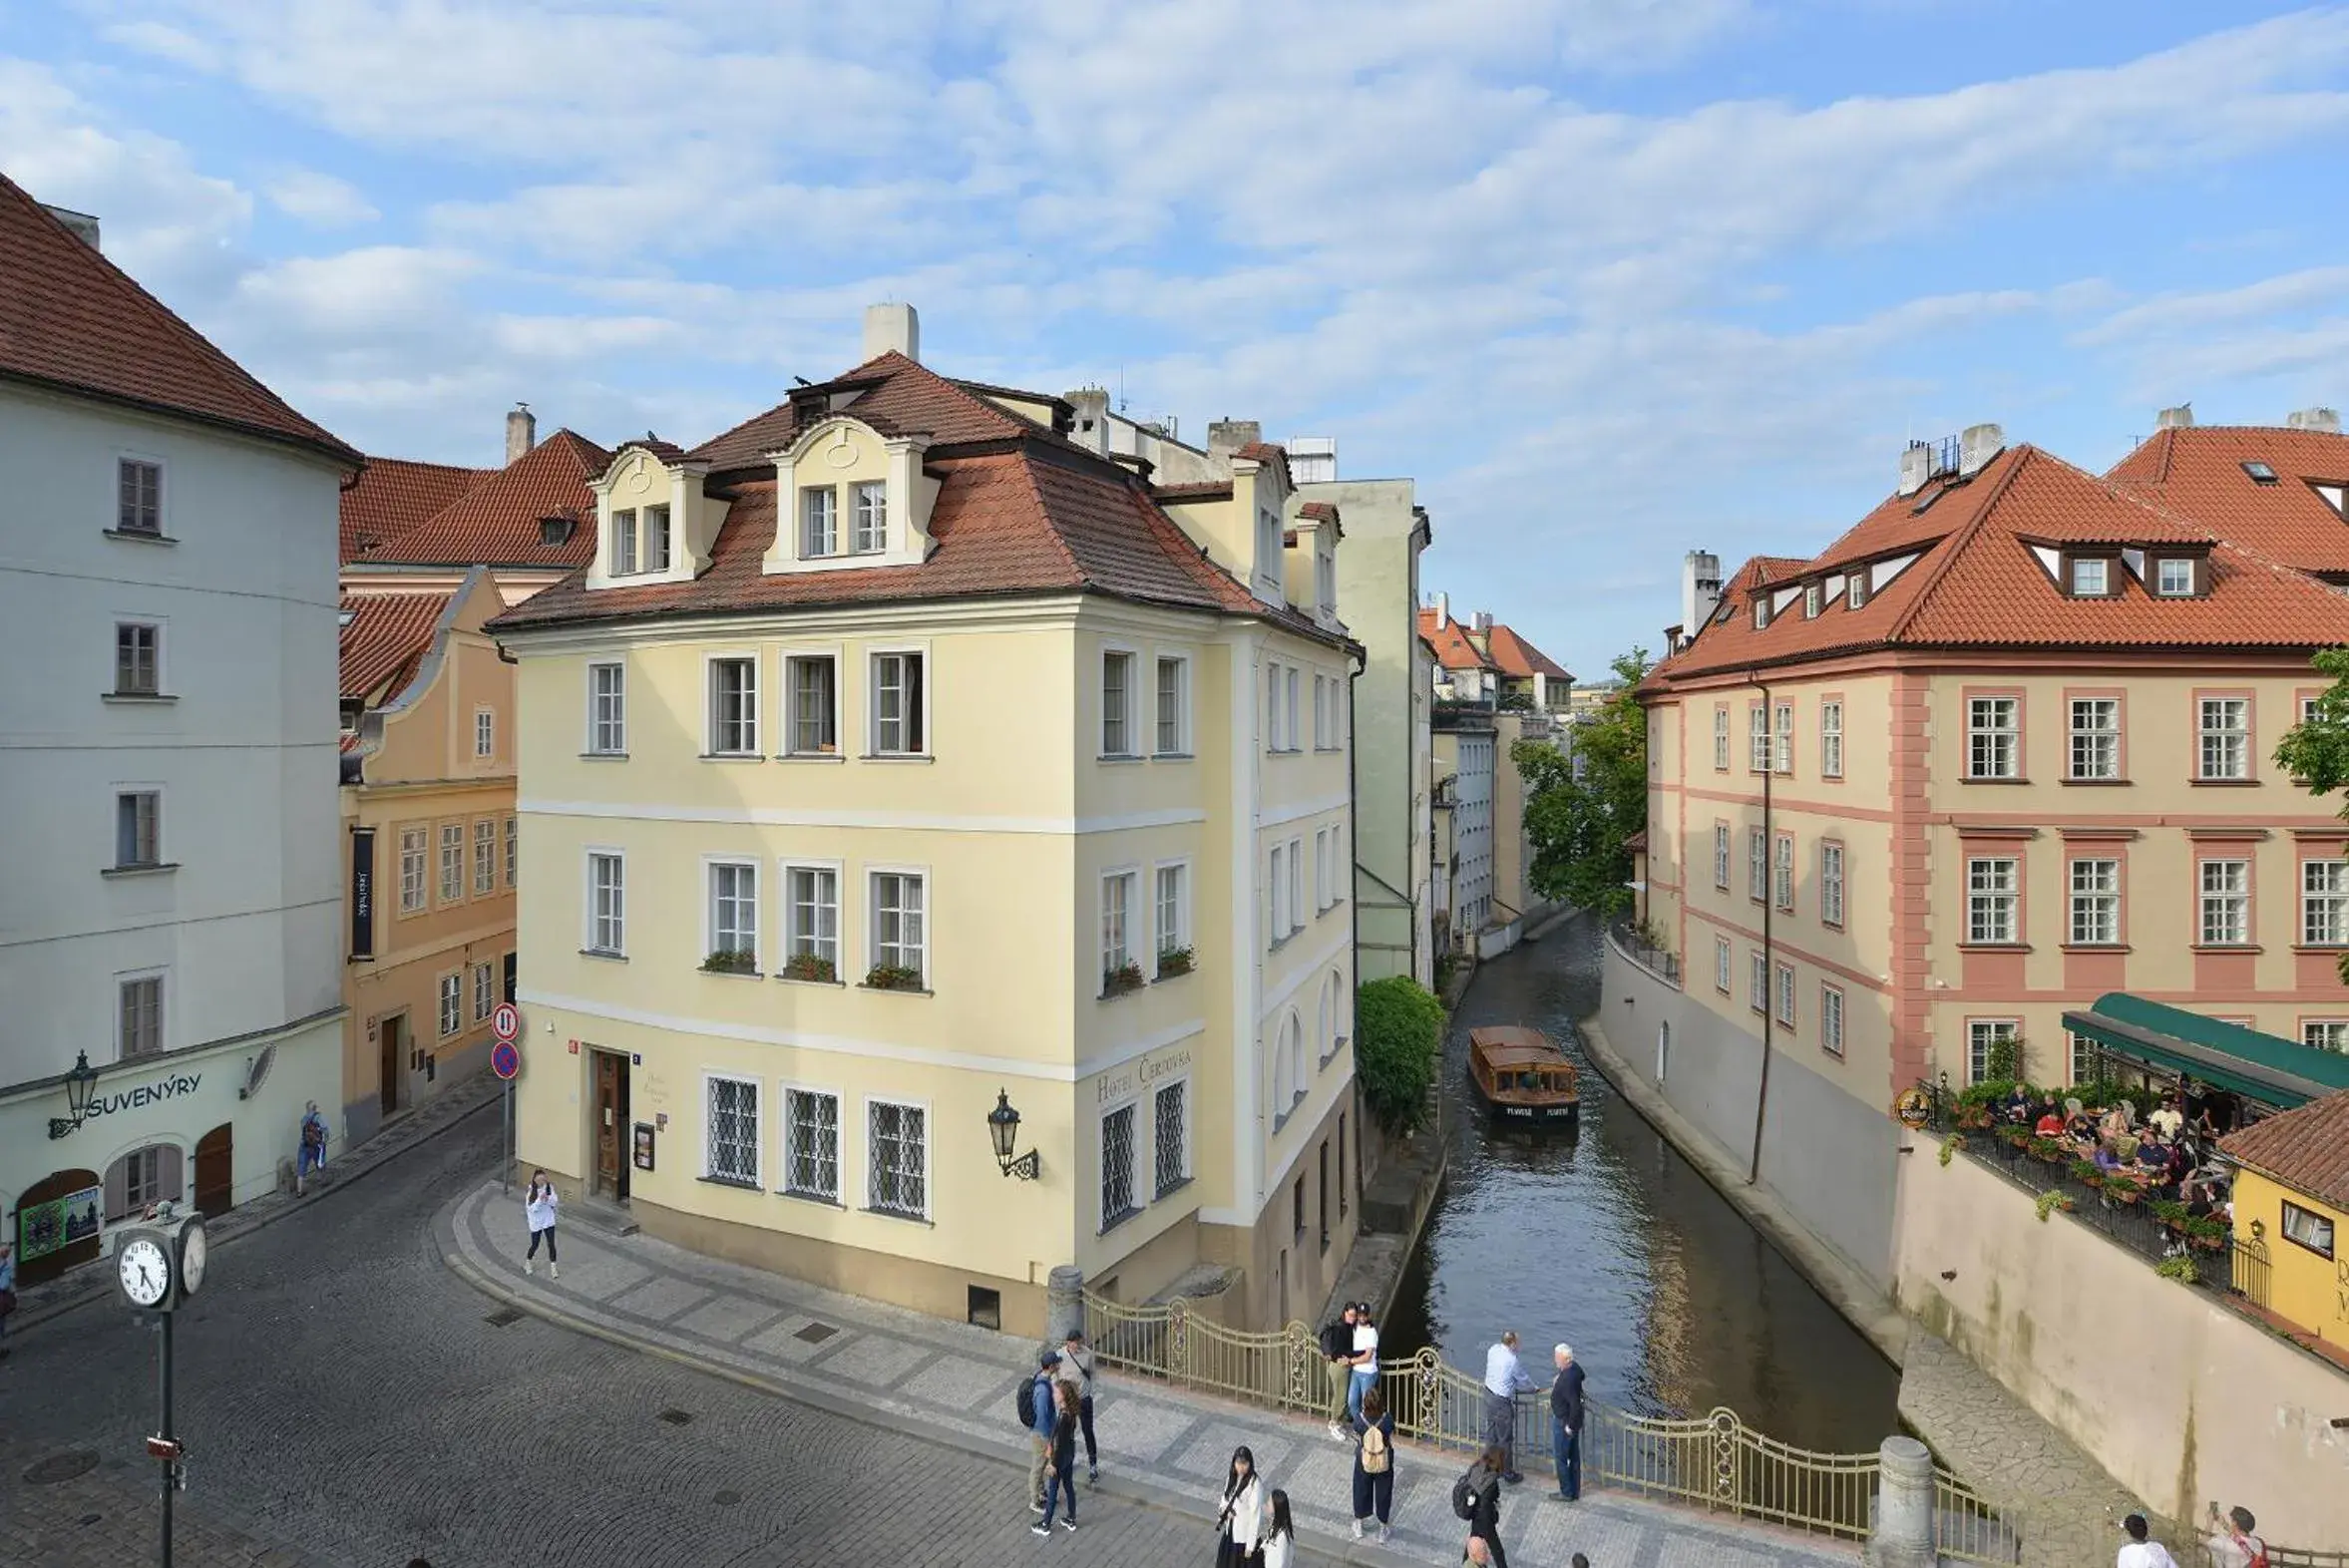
{"x":1658,"y":961}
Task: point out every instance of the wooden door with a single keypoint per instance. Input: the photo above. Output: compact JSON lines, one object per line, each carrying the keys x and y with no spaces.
{"x":393,"y":1064}
{"x":215,"y":1169}
{"x":611,"y":1116}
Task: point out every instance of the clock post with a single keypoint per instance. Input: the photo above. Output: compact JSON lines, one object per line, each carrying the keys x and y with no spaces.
{"x":160,"y":1263}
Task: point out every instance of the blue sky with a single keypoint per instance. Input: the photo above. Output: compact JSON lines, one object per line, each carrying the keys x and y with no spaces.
{"x":1612,"y":278}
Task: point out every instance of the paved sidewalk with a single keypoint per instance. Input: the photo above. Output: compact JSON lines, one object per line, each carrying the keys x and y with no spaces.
{"x":70,"y":1509}
{"x":952,"y":1384}
{"x":93,"y":1281}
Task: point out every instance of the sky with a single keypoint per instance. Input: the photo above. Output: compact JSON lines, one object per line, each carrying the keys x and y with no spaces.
{"x":1611,"y":279}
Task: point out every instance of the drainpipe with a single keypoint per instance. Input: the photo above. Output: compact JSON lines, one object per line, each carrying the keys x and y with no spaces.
{"x":1770,"y":889}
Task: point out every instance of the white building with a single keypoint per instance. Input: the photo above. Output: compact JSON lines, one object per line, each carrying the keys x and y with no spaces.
{"x":170,"y":912}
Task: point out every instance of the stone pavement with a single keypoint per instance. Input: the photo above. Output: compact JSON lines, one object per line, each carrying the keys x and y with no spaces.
{"x":2069,"y":1509}
{"x":94,"y":1280}
{"x":954,"y":1385}
{"x":69,"y":1509}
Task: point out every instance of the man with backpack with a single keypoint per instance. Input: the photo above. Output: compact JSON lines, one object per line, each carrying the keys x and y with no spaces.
{"x":2232,"y":1545}
{"x":1034,"y":1404}
{"x":1337,"y":1351}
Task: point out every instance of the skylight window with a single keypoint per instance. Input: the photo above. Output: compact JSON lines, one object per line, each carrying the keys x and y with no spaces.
{"x":1927,"y":499}
{"x":2260,"y":472}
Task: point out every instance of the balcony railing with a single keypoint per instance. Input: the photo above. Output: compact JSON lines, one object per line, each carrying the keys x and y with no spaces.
{"x":1658,"y":961}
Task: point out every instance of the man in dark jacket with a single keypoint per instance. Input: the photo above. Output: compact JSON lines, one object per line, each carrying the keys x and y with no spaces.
{"x":1566,"y":1422}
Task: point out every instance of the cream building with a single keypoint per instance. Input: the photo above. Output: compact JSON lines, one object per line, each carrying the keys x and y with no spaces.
{"x":2004,"y":746}
{"x":901,"y":759}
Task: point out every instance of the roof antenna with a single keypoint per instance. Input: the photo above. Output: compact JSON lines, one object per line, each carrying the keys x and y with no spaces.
{"x":1121,"y":386}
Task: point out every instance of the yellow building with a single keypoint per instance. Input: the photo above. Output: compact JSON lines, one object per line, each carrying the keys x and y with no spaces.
{"x":429,"y":842}
{"x":899,"y":761}
{"x":2291,"y":1202}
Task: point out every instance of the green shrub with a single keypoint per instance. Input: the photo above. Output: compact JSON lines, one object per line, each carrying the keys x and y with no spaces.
{"x":1398,"y":1042}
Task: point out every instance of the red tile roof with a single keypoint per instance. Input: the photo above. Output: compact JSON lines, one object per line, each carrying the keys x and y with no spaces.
{"x":2199,"y":471}
{"x":386,"y":639}
{"x":1449,"y":643}
{"x":1975,"y":581}
{"x":393,"y":495}
{"x":1516,"y":657}
{"x":2306,"y":1149}
{"x":495,"y":522}
{"x":71,"y":320}
{"x":880,"y":394}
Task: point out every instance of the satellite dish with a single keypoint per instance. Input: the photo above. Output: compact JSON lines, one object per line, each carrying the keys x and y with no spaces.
{"x":255,"y":1071}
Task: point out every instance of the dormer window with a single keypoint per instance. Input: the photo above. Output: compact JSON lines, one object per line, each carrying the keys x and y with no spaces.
{"x":1857,"y":594}
{"x":2092,"y":577}
{"x":2173,"y":576}
{"x":1268,"y":545}
{"x":657,"y":539}
{"x":819,"y":522}
{"x":872,"y":518}
{"x":554,"y":531}
{"x":624,"y":543}
{"x":2261,"y":473}
{"x":1813,"y":600}
{"x":1761,"y":612}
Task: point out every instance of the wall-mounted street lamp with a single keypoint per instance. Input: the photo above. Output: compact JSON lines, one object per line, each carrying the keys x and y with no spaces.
{"x":79,"y":1086}
{"x":1002,"y":1125}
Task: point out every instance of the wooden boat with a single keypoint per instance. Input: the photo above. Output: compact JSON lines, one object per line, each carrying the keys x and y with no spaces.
{"x":1523,"y":1077}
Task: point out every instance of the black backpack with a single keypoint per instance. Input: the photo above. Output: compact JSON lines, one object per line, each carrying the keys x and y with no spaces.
{"x":1464,"y":1490}
{"x":1026,"y":1400}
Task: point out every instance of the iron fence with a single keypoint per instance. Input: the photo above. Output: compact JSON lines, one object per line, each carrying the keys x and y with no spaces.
{"x":1714,"y":1461}
{"x":2277,"y":1556}
{"x":1658,"y":961}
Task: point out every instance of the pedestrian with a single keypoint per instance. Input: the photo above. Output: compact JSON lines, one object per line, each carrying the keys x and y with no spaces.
{"x":1076,"y":1369}
{"x":1280,"y":1536}
{"x":1036,"y":1408}
{"x":2231,"y":1544}
{"x":1374,"y":1466}
{"x":7,"y":1292}
{"x":1337,"y":1351}
{"x":313,"y":1150}
{"x":539,"y":1204}
{"x":2141,"y":1552}
{"x":1504,"y":1379}
{"x":1240,"y":1525}
{"x":1566,"y":1422}
{"x":1580,"y":1561}
{"x":1484,"y":1504}
{"x":1060,"y":1462}
{"x":1364,"y":1361}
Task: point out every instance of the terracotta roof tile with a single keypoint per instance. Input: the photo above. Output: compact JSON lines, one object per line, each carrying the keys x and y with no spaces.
{"x":70,"y":319}
{"x":386,"y":639}
{"x":902,"y":398}
{"x":393,"y":495}
{"x":496,"y":521}
{"x":1516,"y":657}
{"x":2199,"y":472}
{"x":1449,"y":643}
{"x":2306,"y":1149}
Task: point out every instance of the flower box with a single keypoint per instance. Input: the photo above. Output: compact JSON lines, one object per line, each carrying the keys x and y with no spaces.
{"x":810,"y":966}
{"x":1119,"y":981}
{"x":893,"y":977}
{"x":730,"y":960}
{"x":1175,"y":960}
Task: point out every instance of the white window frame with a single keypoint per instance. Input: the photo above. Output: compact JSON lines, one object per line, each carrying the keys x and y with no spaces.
{"x":2081,"y":574}
{"x":1783,"y":738}
{"x":513,"y":836}
{"x":1994,"y":900}
{"x":812,"y":546}
{"x":1115,"y":913}
{"x":593,"y":918}
{"x":1720,"y":856}
{"x":711,"y":864}
{"x":623,"y":541}
{"x":784,"y":1093}
{"x":1758,"y":737}
{"x":449,"y":989}
{"x":1722,"y":962}
{"x":1277,"y":882}
{"x":2228,"y":744}
{"x":788,"y":661}
{"x":1321,"y":873}
{"x":1782,"y":1004}
{"x":1182,"y":704}
{"x":2095,"y":750}
{"x":156,"y":855}
{"x":1721,"y":738}
{"x":1295,"y":886}
{"x":2162,"y":580}
{"x":448,"y":866}
{"x":872,"y":1182}
{"x":2325,"y":903}
{"x":154,"y":628}
{"x":923,"y":713}
{"x":1272,"y":703}
{"x":161,"y":976}
{"x":485,"y":857}
{"x":2325,"y":1034}
{"x":2092,"y":898}
{"x":1125,"y":744}
{"x":163,"y":496}
{"x":484,"y":734}
{"x":485,"y":990}
{"x":868,"y":508}
{"x":1757,"y":864}
{"x":1180,"y":935}
{"x":1781,"y":881}
{"x":650,"y":558}
{"x":1830,"y":1019}
{"x":417,"y":899}
{"x":607,"y":710}
{"x":1757,"y":980}
{"x":1981,"y":1035}
{"x":1830,"y":881}
{"x":754,"y":701}
{"x":1831,"y":738}
{"x":2222,"y":905}
{"x":1994,"y":737}
{"x":1289,"y":719}
{"x":756,"y":1145}
{"x":790,"y":868}
{"x":873,"y":914}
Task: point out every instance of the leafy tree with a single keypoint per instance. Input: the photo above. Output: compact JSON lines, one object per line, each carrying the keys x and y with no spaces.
{"x":2316,"y":750}
{"x":1398,"y":1040}
{"x":1581,"y":827}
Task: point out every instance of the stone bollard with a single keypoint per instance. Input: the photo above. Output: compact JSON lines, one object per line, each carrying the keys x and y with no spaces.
{"x":1064,"y":1303}
{"x":1903,"y":1533}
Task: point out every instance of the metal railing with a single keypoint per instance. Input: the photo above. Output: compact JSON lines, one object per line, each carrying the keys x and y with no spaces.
{"x":2247,"y":1271}
{"x":1658,"y":961}
{"x":2277,"y":1556}
{"x":1714,"y":1461}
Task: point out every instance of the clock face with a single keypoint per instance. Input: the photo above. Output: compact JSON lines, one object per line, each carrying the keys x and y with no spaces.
{"x":194,"y":1252}
{"x":144,"y":1270}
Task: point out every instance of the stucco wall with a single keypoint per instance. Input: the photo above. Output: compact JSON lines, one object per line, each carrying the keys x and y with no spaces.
{"x":2180,"y":1398}
{"x":1827,"y":1156}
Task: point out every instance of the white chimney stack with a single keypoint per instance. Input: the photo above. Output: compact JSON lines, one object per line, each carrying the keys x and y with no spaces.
{"x":2178,"y":418}
{"x":1700,"y":590}
{"x":2327,"y":420}
{"x":1916,"y":466}
{"x":522,"y":433}
{"x":1977,"y":444}
{"x":1443,"y":610}
{"x":895,"y":329}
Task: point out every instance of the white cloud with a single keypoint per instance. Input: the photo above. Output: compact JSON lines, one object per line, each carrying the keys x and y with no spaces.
{"x":321,"y":198}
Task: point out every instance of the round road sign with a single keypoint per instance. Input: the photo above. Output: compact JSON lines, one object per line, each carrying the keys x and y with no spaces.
{"x":504,"y":1061}
{"x":506,"y":1023}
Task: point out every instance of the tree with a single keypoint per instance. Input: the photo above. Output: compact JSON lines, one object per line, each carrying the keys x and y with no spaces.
{"x":2315,"y":751}
{"x":1581,"y":819}
{"x":1398,"y":1039}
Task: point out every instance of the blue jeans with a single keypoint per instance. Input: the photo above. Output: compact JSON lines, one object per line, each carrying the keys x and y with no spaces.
{"x":1062,"y":1484}
{"x":1358,"y":1384}
{"x":1567,"y":1448}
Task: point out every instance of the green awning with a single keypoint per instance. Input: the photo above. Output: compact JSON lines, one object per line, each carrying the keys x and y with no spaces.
{"x":2264,"y":1067}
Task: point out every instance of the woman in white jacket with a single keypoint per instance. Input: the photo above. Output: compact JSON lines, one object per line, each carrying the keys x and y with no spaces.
{"x":1280,"y":1535}
{"x":537,"y":1207}
{"x":1240,"y":1526}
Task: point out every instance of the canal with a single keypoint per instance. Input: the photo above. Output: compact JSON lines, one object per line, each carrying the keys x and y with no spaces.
{"x":1613,"y":1243}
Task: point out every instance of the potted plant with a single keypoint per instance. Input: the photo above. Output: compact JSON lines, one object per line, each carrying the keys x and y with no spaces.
{"x":893,"y":977}
{"x":2124,"y":1191}
{"x":810,"y":966}
{"x":730,"y":960}
{"x":2086,"y":1173}
{"x":2047,"y":1151}
{"x":1173,"y":962}
{"x":2180,"y":1268}
{"x":1127,"y":977}
{"x":2168,"y":1211}
{"x":2208,"y":1233}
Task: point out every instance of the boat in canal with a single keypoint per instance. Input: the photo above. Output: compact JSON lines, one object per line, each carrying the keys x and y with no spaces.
{"x":1523,"y":1077}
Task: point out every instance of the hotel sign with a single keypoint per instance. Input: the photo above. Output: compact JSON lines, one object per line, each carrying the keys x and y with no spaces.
{"x":1124,"y":1082}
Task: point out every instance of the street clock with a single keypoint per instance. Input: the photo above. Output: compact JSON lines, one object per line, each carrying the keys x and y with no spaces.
{"x":160,"y":1263}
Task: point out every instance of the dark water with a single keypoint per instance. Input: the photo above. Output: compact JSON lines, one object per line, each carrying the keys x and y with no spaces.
{"x":1613,"y":1243}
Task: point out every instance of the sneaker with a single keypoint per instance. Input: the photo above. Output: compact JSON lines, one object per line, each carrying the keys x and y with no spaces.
{"x":529,"y":1267}
{"x":1040,"y":1529}
{"x":1093,"y":1475}
{"x":552,"y":1273}
{"x":1385,"y":1535}
{"x":1036,"y":1508}
{"x":1358,"y":1529}
{"x":1068,"y":1524}
{"x":1338,"y":1434}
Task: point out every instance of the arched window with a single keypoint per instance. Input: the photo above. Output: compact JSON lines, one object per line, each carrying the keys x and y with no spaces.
{"x":141,"y":1177}
{"x":1325,"y":1031}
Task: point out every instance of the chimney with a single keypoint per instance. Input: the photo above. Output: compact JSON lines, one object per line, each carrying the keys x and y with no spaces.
{"x":893,"y":327}
{"x":1916,"y":466}
{"x":1483,"y":623}
{"x":85,"y":226}
{"x":1700,"y":590}
{"x":1227,"y":436}
{"x":1091,"y":427}
{"x":2178,"y":418}
{"x":1977,"y":444}
{"x":522,"y":433}
{"x":1443,"y":610}
{"x":2327,"y":420}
